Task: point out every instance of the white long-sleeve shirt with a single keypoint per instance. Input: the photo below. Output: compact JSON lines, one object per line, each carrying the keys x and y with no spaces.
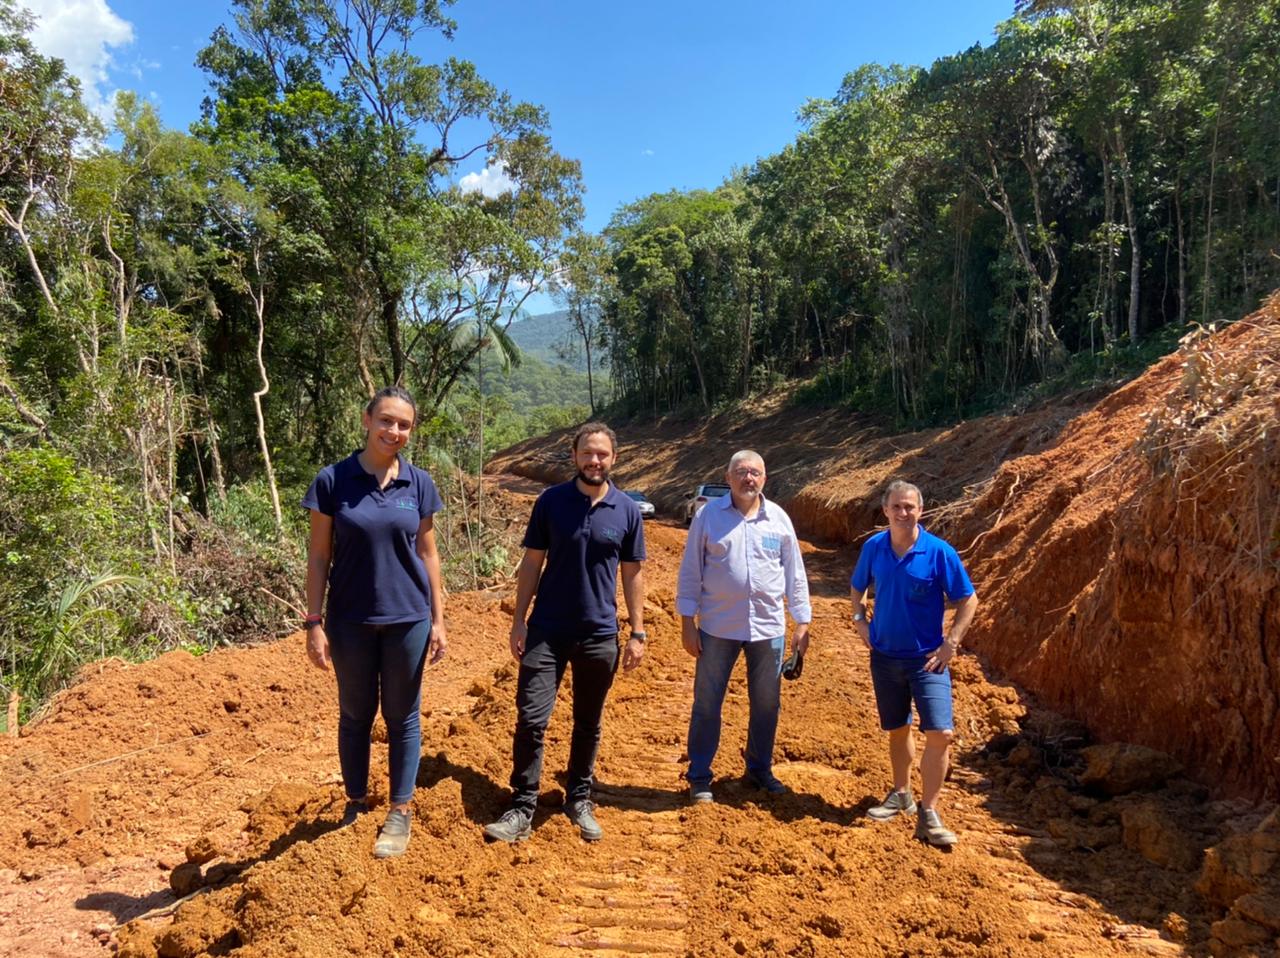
{"x":736,"y":572}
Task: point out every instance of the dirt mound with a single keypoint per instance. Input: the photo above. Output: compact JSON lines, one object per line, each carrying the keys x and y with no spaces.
{"x":1134,"y":565}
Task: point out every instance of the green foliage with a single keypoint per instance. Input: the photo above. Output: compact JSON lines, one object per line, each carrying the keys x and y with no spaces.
{"x":942,"y":238}
{"x":190,"y":324}
{"x":67,"y":555}
{"x":246,"y":513}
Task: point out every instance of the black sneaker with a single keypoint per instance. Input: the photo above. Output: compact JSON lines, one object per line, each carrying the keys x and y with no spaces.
{"x":393,"y":839}
{"x":582,"y":813}
{"x":351,"y":811}
{"x":767,"y":783}
{"x":700,"y":794}
{"x":514,"y":826}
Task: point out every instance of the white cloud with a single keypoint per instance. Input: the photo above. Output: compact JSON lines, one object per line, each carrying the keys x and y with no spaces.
{"x":82,"y":33}
{"x":492,"y":182}
{"x":646,"y":152}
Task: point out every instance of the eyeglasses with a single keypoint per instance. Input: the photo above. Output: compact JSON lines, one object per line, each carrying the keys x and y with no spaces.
{"x":744,"y":472}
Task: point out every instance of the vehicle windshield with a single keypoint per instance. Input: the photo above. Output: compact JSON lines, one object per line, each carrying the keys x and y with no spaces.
{"x":637,"y":496}
{"x":714,"y":491}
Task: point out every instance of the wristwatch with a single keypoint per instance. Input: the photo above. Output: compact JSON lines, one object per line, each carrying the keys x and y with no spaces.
{"x":859,"y":617}
{"x":639,"y":636}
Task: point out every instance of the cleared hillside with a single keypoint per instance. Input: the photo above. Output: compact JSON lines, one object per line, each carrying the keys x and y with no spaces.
{"x":1125,"y":546}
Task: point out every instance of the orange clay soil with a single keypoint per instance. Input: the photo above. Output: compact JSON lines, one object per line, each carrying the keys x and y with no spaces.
{"x":228,"y":761}
{"x":218,"y":776}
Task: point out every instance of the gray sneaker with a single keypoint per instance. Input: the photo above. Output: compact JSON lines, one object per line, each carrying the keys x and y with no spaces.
{"x":930,"y":829}
{"x":393,"y":839}
{"x":895,"y":803}
{"x":582,"y":813}
{"x":701,"y":794}
{"x":514,"y":826}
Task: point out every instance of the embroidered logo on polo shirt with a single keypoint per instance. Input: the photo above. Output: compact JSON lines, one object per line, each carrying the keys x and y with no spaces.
{"x":612,"y":534}
{"x":407,"y":504}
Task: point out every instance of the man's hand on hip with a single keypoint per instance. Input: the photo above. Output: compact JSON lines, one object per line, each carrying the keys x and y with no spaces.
{"x":941,"y":657}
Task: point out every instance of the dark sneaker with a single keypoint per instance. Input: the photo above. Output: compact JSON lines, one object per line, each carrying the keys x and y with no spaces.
{"x":768,"y":784}
{"x":393,"y":839}
{"x":701,"y":795}
{"x":895,"y":803}
{"x":930,"y":829}
{"x":513,"y":826}
{"x":582,"y":813}
{"x":351,"y":811}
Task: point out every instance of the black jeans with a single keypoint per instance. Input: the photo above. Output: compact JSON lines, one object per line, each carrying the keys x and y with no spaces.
{"x":594,"y":660}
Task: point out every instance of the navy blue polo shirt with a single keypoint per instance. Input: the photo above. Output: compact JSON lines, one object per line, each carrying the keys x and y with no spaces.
{"x":577,"y":594}
{"x":909,"y":592}
{"x":376,"y":576}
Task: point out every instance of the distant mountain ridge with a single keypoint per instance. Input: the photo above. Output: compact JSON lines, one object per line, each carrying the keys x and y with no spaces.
{"x":546,"y":337}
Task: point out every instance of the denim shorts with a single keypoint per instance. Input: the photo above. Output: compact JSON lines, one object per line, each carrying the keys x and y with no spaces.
{"x":899,"y":681}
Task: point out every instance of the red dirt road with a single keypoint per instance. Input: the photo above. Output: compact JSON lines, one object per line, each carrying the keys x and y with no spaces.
{"x":232,"y":756}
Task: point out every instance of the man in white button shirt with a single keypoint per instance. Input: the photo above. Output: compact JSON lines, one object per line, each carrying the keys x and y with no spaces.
{"x":740,"y":562}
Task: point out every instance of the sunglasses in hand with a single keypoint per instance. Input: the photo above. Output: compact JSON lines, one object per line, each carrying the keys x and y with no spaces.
{"x":793,"y":666}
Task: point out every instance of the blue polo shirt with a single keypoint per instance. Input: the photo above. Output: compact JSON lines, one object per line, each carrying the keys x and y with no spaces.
{"x":577,"y":594}
{"x":376,"y":576}
{"x":909,"y":592}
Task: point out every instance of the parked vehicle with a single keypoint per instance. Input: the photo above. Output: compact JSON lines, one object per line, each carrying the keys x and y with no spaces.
{"x":647,"y":511}
{"x":701,"y":496}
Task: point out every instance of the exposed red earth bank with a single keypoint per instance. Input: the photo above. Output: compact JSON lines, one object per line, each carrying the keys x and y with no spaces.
{"x":1117,"y":754}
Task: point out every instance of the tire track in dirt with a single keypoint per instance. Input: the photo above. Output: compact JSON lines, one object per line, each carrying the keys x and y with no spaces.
{"x":633,"y":903}
{"x":803,"y":874}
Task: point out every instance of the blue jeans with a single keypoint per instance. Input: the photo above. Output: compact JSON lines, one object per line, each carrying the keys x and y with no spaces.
{"x":711,"y":680}
{"x":368,"y":659}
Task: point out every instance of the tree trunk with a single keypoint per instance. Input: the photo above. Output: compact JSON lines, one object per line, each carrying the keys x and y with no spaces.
{"x":1135,"y":244}
{"x":1110,"y":327}
{"x":18,"y":225}
{"x":171,"y":472}
{"x":1208,"y":218}
{"x":259,"y":297}
{"x":391,"y":324}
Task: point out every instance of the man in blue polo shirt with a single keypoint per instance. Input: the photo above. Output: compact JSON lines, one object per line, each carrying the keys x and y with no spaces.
{"x":914,"y":574}
{"x":579,"y":533}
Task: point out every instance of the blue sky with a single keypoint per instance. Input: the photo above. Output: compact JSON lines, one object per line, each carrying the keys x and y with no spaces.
{"x":648,"y":96}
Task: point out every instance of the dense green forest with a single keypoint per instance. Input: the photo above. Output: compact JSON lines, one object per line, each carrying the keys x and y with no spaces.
{"x":191,"y":321}
{"x":939,"y":239}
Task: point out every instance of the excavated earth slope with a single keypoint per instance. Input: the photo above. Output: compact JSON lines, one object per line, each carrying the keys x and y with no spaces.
{"x":215,"y":778}
{"x":1126,"y":549}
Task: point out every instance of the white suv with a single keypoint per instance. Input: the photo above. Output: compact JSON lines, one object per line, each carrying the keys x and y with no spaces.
{"x":701,"y":496}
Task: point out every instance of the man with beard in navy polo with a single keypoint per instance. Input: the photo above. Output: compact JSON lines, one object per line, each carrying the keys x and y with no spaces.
{"x":579,"y":533}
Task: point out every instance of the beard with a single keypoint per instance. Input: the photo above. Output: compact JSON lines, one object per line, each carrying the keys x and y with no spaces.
{"x":599,"y":480}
